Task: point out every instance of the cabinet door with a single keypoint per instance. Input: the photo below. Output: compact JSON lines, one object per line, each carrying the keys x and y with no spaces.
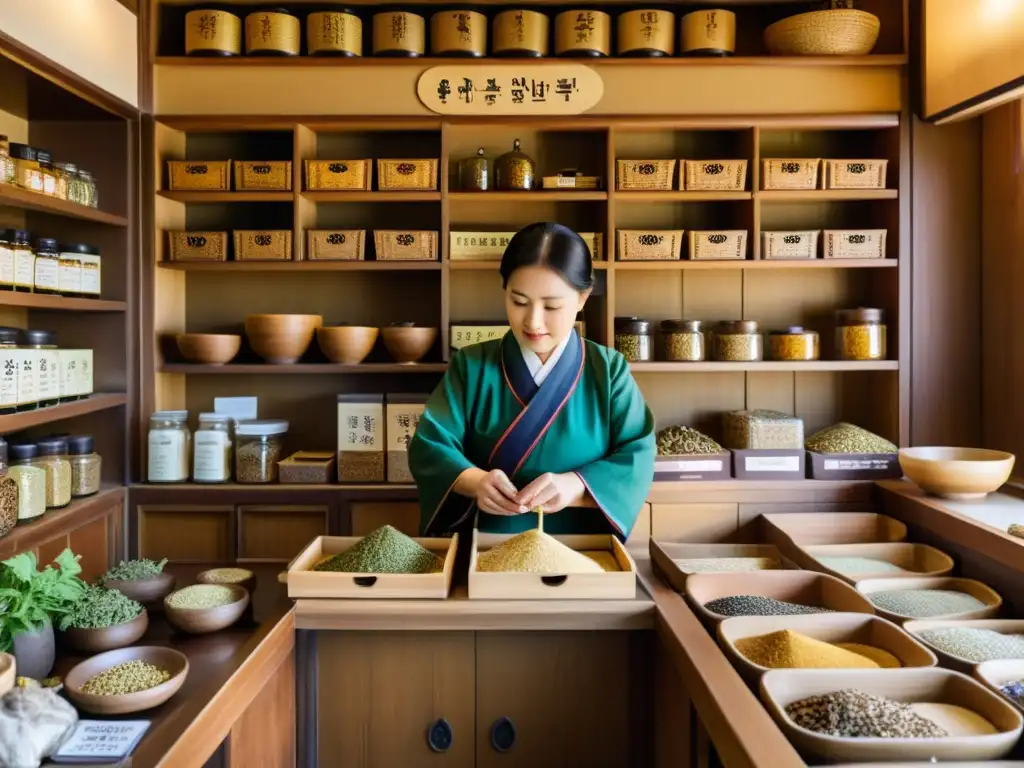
{"x":380,"y":693}
{"x":566,"y":695}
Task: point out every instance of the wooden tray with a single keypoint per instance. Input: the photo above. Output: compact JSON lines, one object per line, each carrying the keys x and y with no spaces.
{"x":665,"y":553}
{"x":806,"y":587}
{"x":981,"y":591}
{"x":959,"y":663}
{"x":619,"y":585}
{"x":827,"y":627}
{"x":781,"y":687}
{"x":919,"y":560}
{"x":993,"y":674}
{"x":303,"y":582}
{"x":811,"y":528}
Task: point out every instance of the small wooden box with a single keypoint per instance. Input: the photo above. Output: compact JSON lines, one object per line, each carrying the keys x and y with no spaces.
{"x":405,"y":245}
{"x":270,"y":176}
{"x":198,"y":246}
{"x":609,"y":585}
{"x":650,"y":244}
{"x":263,"y":245}
{"x":303,"y":582}
{"x":855,"y":174}
{"x":854,"y":243}
{"x":790,"y":173}
{"x":338,"y":175}
{"x":571,"y":181}
{"x":407,"y":175}
{"x":790,"y":245}
{"x":478,"y":246}
{"x":714,"y":175}
{"x":199,"y":175}
{"x":718,"y":245}
{"x":646,"y":175}
{"x":307,"y":468}
{"x":335,"y":244}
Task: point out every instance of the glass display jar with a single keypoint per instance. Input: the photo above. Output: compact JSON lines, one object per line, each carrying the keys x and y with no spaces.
{"x":31,"y":480}
{"x":69,"y":270}
{"x":8,"y":494}
{"x":92,"y":195}
{"x":7,"y":172}
{"x":737,"y":341}
{"x":682,"y":341}
{"x":258,"y":448}
{"x":24,"y":262}
{"x":27,"y":173}
{"x":48,"y":171}
{"x":860,"y":334}
{"x":46,"y":364}
{"x":170,"y":446}
{"x":53,"y":457}
{"x":78,"y":188}
{"x":47,"y":275}
{"x":212,"y":449}
{"x":6,"y":259}
{"x":63,"y":181}
{"x":793,"y":343}
{"x":92,"y":269}
{"x":86,"y":465}
{"x":633,"y":339}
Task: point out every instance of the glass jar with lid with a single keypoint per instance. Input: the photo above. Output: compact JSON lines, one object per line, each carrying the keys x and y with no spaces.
{"x":86,"y":465}
{"x":46,"y":364}
{"x":9,"y":364}
{"x":92,"y":268}
{"x":69,"y":270}
{"x":860,"y":334}
{"x":682,"y":341}
{"x":78,"y":188}
{"x":258,"y":448}
{"x":63,"y":181}
{"x":92,"y":196}
{"x":24,"y":262}
{"x":47,"y":277}
{"x":53,"y":457}
{"x":212,"y":450}
{"x":737,"y":341}
{"x":48,"y":171}
{"x":7,"y":173}
{"x":27,"y":173}
{"x":170,"y":447}
{"x":31,"y":480}
{"x":633,"y":339}
{"x":8,"y":494}
{"x":794,"y":343}
{"x":6,"y":259}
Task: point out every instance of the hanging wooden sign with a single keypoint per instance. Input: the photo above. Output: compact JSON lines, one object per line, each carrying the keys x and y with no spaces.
{"x":507,"y":89}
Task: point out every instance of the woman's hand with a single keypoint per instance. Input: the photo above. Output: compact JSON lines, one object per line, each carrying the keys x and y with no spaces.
{"x":496,"y":494}
{"x":553,"y":492}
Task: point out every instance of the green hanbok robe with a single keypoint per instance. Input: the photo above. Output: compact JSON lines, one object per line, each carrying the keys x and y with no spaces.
{"x":588,"y":417}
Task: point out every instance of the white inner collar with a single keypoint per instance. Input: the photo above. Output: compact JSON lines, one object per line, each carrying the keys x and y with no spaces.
{"x":538,"y":370}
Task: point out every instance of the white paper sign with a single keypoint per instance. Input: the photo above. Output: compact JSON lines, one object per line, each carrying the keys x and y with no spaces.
{"x":359,"y":427}
{"x":772,"y":463}
{"x":403,"y":419}
{"x":698,"y":465}
{"x":102,"y":739}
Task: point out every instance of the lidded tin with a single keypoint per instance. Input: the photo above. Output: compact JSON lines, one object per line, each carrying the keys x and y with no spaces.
{"x":399,"y":33}
{"x":273,"y":32}
{"x":583,"y":32}
{"x":514,"y":170}
{"x":212,"y":32}
{"x":473,"y":173}
{"x":520,"y":32}
{"x":647,"y":32}
{"x":681,"y":341}
{"x":708,"y":33}
{"x":458,"y":32}
{"x":633,"y":339}
{"x":860,"y":334}
{"x":737,"y":341}
{"x":334,"y":31}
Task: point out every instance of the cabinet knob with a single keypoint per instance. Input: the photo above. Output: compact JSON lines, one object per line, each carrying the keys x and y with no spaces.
{"x":439,"y":736}
{"x":503,"y":735}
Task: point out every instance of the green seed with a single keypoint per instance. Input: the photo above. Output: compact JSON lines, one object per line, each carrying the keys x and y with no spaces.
{"x":386,"y":550}
{"x":200,"y":596}
{"x":133,"y":570}
{"x":852,"y":565}
{"x":925,"y":603}
{"x":975,"y":645}
{"x":100,"y":607}
{"x":848,"y":438}
{"x":127,"y":677}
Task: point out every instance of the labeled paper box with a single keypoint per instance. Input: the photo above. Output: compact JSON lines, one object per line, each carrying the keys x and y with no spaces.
{"x":693,"y":467}
{"x":854,"y":466}
{"x":402,"y":417}
{"x":361,"y":438}
{"x":769,"y":464}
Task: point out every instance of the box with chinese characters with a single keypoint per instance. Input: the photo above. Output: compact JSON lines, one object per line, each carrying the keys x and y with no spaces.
{"x":490,"y":246}
{"x":402,"y":417}
{"x":361,"y":439}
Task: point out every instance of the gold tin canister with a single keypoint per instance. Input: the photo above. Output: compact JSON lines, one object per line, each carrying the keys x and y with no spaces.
{"x":708,"y":33}
{"x":274,"y":32}
{"x":646,"y":32}
{"x":583,"y":33}
{"x":520,"y":32}
{"x":515,"y":170}
{"x":458,"y":32}
{"x":474,"y":173}
{"x":336,"y":32}
{"x":399,"y":33}
{"x":210,"y":32}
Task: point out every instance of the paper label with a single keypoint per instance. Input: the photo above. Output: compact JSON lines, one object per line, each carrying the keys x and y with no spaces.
{"x":6,"y":265}
{"x":567,"y":181}
{"x":359,"y":427}
{"x":846,"y":465}
{"x":771,"y":463}
{"x":24,"y":268}
{"x":697,"y":465}
{"x":69,"y":276}
{"x":91,"y":278}
{"x":466,"y":335}
{"x":84,"y":383}
{"x":102,"y":739}
{"x":47,"y":278}
{"x":8,"y":378}
{"x":68,"y":368}
{"x":403,"y":418}
{"x":211,"y":451}
{"x":168,"y":456}
{"x":49,"y":374}
{"x":28,"y":376}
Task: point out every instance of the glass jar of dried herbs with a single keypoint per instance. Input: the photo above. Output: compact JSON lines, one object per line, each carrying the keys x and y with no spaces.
{"x":258,"y":448}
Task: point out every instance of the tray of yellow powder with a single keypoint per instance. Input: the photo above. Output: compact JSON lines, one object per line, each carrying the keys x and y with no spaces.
{"x":883,"y":709}
{"x":386,"y":564}
{"x":756,"y":644}
{"x":677,"y":562}
{"x":537,"y":566}
{"x":856,"y":562}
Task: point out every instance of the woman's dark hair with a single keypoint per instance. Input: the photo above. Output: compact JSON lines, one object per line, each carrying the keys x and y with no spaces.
{"x":551,"y":245}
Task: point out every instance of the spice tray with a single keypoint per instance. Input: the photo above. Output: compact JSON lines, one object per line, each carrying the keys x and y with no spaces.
{"x":982,"y":592}
{"x":919,"y":687}
{"x":305,"y":582}
{"x":994,"y":674}
{"x":808,"y":528}
{"x":917,"y":560}
{"x":714,"y":466}
{"x":960,"y":663}
{"x":665,"y":554}
{"x":610,"y":585}
{"x":804,"y":587}
{"x":769,"y":464}
{"x":861,"y":628}
{"x":854,"y":466}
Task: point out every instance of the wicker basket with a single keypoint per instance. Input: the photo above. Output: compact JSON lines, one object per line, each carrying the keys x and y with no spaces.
{"x":648,"y":175}
{"x":407,"y":175}
{"x":336,"y":244}
{"x":714,"y":175}
{"x":650,"y":244}
{"x":824,"y":33}
{"x":405,"y":245}
{"x":263,"y":245}
{"x":199,"y":175}
{"x":855,"y":174}
{"x":854,"y":243}
{"x":271,"y":176}
{"x":198,"y":246}
{"x":338,"y":175}
{"x":790,"y":173}
{"x":790,"y":245}
{"x":718,"y":245}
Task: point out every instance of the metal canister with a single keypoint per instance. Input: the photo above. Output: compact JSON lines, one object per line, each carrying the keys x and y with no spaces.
{"x":474,"y":175}
{"x":212,"y":32}
{"x":647,"y":32}
{"x":514,"y":171}
{"x":583,"y":33}
{"x":273,"y":32}
{"x":520,"y":33}
{"x":708,"y":33}
{"x":399,"y":33}
{"x":334,"y":32}
{"x":458,"y":32}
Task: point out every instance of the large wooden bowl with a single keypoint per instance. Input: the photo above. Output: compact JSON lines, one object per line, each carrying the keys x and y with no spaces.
{"x":408,"y":344}
{"x":957,"y":473}
{"x":107,"y":638}
{"x":200,"y":621}
{"x":840,"y":32}
{"x":173,"y":661}
{"x":8,"y":672}
{"x":208,"y":348}
{"x":145,"y":591}
{"x":346,"y":344}
{"x":281,"y":339}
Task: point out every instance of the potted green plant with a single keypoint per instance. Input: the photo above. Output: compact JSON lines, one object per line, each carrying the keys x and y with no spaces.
{"x":29,"y":600}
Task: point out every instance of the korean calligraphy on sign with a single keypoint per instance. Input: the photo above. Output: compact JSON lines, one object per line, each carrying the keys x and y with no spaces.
{"x":503,"y":89}
{"x":403,"y":418}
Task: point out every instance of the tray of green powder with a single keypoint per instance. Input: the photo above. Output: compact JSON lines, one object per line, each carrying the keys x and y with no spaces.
{"x":386,"y":564}
{"x":856,"y":562}
{"x":903,"y":706}
{"x":677,"y":562}
{"x":962,"y":645}
{"x":1005,"y":677}
{"x":539,"y":566}
{"x":943,"y":597}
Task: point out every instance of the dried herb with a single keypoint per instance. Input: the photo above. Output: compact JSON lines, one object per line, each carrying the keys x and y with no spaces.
{"x":100,"y":607}
{"x":134,"y":570}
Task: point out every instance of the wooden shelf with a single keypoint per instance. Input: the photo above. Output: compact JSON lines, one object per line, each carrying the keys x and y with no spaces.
{"x":302,"y":266}
{"x":685,"y":264}
{"x":60,"y":522}
{"x":678,"y":196}
{"x":767,"y":366}
{"x":537,"y":196}
{"x":264,"y":369}
{"x":59,"y":303}
{"x":227,"y":197}
{"x":272,"y":488}
{"x":373,"y":197}
{"x":15,"y":197}
{"x":825,"y":195}
{"x":490,"y":265}
{"x":99,"y":402}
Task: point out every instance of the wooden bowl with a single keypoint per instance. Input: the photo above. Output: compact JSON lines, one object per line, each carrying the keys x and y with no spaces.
{"x":199,"y":621}
{"x":346,"y":344}
{"x":841,"y":32}
{"x":248,"y":584}
{"x":107,"y":638}
{"x":208,"y":348}
{"x":994,"y":674}
{"x":917,"y":560}
{"x":959,"y":663}
{"x":145,"y":591}
{"x":408,"y":344}
{"x":281,"y":339}
{"x":8,"y":672}
{"x":993,"y":602}
{"x":957,"y":473}
{"x":173,"y":661}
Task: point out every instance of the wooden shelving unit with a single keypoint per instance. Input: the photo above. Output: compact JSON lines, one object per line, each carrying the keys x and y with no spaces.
{"x":59,"y":303}
{"x":55,"y":413}
{"x":59,"y":523}
{"x":23,"y":199}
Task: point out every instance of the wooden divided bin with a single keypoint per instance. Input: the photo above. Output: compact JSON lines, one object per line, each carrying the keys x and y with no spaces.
{"x":336,"y":244}
{"x":650,"y":244}
{"x":304,"y":582}
{"x":790,"y":173}
{"x":338,"y":175}
{"x":955,"y":661}
{"x":988,"y":597}
{"x":197,"y":246}
{"x":405,"y":245}
{"x":718,"y":245}
{"x":790,"y":245}
{"x":259,"y":176}
{"x":407,"y":175}
{"x":714,"y":175}
{"x":855,"y":174}
{"x":263,"y":245}
{"x":854,"y":244}
{"x":199,"y":175}
{"x":667,"y":556}
{"x":915,"y":560}
{"x":645,"y":175}
{"x":811,"y":528}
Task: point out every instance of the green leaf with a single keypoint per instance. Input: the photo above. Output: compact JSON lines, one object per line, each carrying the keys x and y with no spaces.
{"x":67,"y":561}
{"x":22,"y":567}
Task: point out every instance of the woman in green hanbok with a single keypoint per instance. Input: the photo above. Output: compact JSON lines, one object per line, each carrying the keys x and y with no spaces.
{"x":540,"y":418}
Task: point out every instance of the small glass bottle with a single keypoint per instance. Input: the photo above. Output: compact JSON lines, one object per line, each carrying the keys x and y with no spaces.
{"x":9,"y":364}
{"x":92,"y":195}
{"x":63,"y":181}
{"x":69,"y":270}
{"x":860,"y":334}
{"x":78,"y":190}
{"x":26,"y":167}
{"x":258,"y":448}
{"x":170,"y":444}
{"x":53,"y":457}
{"x":212,"y":452}
{"x":48,"y":171}
{"x":46,"y":364}
{"x":633,"y":339}
{"x":92,"y":269}
{"x":47,"y":277}
{"x":7,"y":171}
{"x":31,"y":480}
{"x":6,"y":259}
{"x":86,"y":466}
{"x":24,"y":262}
{"x":8,"y":494}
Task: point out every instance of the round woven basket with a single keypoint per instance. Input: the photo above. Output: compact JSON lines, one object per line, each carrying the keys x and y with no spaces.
{"x":839,"y":32}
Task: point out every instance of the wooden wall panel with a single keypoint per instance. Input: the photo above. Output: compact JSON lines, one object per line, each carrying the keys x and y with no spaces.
{"x":278,"y":532}
{"x":368,"y":516}
{"x":264,"y":737}
{"x":694,"y":523}
{"x":92,"y":541}
{"x":196,"y":534}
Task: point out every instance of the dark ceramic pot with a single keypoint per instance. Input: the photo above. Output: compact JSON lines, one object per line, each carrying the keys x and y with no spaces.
{"x":34,"y":653}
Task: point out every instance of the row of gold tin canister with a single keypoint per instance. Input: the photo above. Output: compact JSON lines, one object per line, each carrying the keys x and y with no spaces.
{"x":460,"y":32}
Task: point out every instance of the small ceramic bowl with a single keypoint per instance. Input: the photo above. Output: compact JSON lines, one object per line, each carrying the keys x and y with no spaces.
{"x":199,"y":621}
{"x":956,"y":473}
{"x":248,"y":583}
{"x":106,"y":638}
{"x":146,"y":591}
{"x":169,"y":659}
